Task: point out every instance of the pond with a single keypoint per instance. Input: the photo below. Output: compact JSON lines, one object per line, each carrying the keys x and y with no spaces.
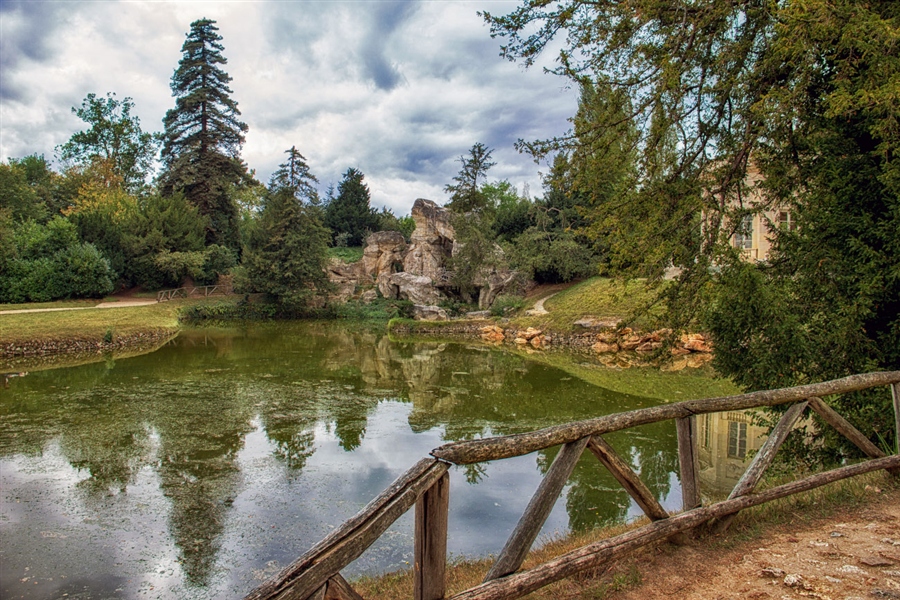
{"x":202,"y":468}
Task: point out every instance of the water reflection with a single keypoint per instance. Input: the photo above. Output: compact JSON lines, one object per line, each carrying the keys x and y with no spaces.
{"x":197,"y":469}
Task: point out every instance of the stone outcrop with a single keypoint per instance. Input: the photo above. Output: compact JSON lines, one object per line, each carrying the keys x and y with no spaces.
{"x":383,"y":253}
{"x":418,"y":289}
{"x":416,"y":271}
{"x":431,"y":242}
{"x":429,"y":313}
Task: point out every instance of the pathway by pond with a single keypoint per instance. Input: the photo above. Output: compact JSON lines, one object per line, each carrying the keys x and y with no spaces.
{"x":198,"y":470}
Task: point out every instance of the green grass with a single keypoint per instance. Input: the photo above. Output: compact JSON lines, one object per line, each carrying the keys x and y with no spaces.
{"x":91,"y":324}
{"x":347,"y":255}
{"x":598,"y":297}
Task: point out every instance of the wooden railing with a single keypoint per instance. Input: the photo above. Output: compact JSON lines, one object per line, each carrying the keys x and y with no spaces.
{"x":185,"y":292}
{"x":316,"y":574}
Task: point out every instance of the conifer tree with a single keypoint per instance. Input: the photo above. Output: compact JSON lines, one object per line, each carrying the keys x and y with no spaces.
{"x":349,"y":213}
{"x":287,"y":253}
{"x":465,"y":194}
{"x":203,"y":135}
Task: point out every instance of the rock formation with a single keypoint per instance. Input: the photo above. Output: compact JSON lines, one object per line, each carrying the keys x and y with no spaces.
{"x":418,"y":271}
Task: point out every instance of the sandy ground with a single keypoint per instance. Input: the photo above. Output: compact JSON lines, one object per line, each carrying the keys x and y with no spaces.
{"x":853,"y":554}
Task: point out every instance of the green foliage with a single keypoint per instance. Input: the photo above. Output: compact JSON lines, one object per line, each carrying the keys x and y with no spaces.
{"x":287,"y":255}
{"x":512,"y":213}
{"x":48,"y":262}
{"x":803,"y":93}
{"x":217,"y":260}
{"x":115,"y":138}
{"x":506,"y":304}
{"x":474,"y":254}
{"x":30,"y":190}
{"x":203,"y":136}
{"x":387,"y":221}
{"x":349,"y":213}
{"x":466,"y":194}
{"x":380,"y":309}
{"x":347,"y":255}
{"x":552,"y":257}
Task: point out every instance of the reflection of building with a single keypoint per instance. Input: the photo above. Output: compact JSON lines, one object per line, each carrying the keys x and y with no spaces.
{"x":725,"y":445}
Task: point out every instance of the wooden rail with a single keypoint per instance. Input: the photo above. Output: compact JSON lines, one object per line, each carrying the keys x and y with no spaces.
{"x":185,"y":292}
{"x":316,"y":574}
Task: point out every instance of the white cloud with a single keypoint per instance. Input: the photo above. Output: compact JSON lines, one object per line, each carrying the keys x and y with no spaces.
{"x":396,"y":89}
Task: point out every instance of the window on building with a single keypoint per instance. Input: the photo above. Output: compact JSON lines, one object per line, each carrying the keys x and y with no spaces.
{"x":737,"y":440}
{"x":743,"y":237}
{"x":786,"y":221}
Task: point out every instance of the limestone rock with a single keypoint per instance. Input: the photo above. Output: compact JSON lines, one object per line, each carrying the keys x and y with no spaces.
{"x":530,"y":333}
{"x":492,"y":333}
{"x":601,"y":322}
{"x":415,"y":288}
{"x":478,"y":314}
{"x":429,"y":313}
{"x":383,"y":253}
{"x":368,"y":296}
{"x":431,"y":242}
{"x":494,"y":284}
{"x":649,"y":346}
{"x":605,"y":348}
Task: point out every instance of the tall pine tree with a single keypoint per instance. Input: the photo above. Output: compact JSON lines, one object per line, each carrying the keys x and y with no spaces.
{"x":203,"y":135}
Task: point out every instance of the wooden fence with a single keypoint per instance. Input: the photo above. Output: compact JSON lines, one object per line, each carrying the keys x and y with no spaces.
{"x":185,"y":292}
{"x":316,"y":574}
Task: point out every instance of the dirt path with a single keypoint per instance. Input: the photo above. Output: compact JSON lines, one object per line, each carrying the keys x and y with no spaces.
{"x":123,"y":303}
{"x":853,"y":554}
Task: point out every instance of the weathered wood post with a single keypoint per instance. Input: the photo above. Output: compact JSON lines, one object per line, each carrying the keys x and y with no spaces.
{"x":895,"y":392}
{"x":537,"y":511}
{"x":688,"y":461}
{"x":429,"y":570}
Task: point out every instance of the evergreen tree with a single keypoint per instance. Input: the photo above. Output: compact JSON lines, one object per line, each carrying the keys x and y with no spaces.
{"x":203,"y":135}
{"x":466,"y":194}
{"x":349,"y":215}
{"x":288,"y":250}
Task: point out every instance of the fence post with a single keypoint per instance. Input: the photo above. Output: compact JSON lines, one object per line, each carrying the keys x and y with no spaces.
{"x":688,"y":461}
{"x":537,"y":511}
{"x":895,"y":392}
{"x":430,"y":565}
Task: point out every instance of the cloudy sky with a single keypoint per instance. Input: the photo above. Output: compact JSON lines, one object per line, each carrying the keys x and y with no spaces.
{"x":398,"y":90}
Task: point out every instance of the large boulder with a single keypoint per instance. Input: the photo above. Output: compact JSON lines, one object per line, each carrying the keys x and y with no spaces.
{"x":431,"y":242}
{"x":415,"y":288}
{"x":383,"y":253}
{"x":429,"y":313}
{"x":493,"y":284}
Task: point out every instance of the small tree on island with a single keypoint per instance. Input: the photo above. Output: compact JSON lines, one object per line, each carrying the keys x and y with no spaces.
{"x":203,"y":135}
{"x":288,"y":250}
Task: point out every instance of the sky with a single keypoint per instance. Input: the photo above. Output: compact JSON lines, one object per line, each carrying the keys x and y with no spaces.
{"x":397,"y":89}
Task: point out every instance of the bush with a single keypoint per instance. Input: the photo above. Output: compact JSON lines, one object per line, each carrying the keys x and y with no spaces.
{"x":49,"y":263}
{"x":506,"y":304}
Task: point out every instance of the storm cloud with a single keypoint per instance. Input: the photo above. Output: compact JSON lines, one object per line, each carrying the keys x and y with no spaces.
{"x":397,"y":89}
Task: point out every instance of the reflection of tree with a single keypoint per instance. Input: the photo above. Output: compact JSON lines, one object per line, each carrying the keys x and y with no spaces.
{"x":199,"y":442}
{"x":596,"y":499}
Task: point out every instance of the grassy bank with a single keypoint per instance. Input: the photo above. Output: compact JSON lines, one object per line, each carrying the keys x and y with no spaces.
{"x":599,"y":297}
{"x":87,"y":326}
{"x":751,"y":526}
